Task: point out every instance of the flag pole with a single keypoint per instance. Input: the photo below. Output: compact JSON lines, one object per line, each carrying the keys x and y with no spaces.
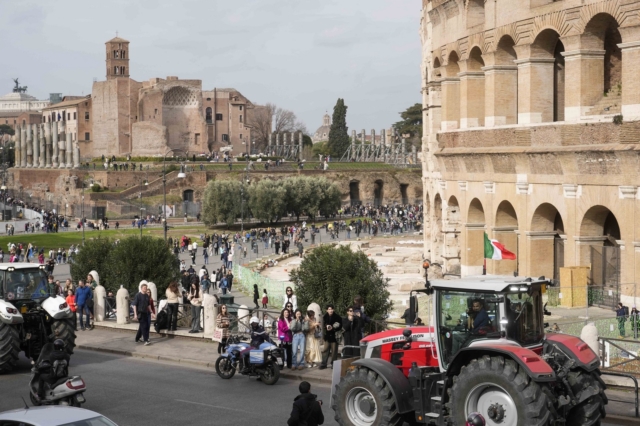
{"x":484,"y":266}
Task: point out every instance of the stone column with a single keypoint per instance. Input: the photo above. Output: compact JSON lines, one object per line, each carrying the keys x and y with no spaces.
{"x":29,"y":130}
{"x":23,"y":145}
{"x":62,"y":145}
{"x":301,"y":143}
{"x":373,"y":144}
{"x":18,"y":147}
{"x":76,"y":155}
{"x":583,"y":82}
{"x":364,"y":136}
{"x":501,"y":95}
{"x":471,"y":99}
{"x":403,"y":150}
{"x":535,"y":94}
{"x":383,"y":142}
{"x":42,"y":150}
{"x":54,"y":144}
{"x":69,"y":150}
{"x":630,"y":86}
{"x":414,"y":154}
{"x":47,"y":150}
{"x":353,"y":145}
{"x":36,"y":145}
{"x":450,"y":103}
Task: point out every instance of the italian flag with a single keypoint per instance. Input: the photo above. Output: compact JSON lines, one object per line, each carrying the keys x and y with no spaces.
{"x":496,"y":251}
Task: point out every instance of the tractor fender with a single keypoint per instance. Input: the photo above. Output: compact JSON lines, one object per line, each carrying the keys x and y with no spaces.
{"x":9,"y":314}
{"x":575,"y":348}
{"x":535,"y":367}
{"x":393,"y":377}
{"x":57,"y":308}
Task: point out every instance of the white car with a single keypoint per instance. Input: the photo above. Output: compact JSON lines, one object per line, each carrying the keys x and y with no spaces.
{"x":54,"y":416}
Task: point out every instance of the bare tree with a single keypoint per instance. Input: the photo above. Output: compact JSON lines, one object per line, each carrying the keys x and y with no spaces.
{"x":270,"y":119}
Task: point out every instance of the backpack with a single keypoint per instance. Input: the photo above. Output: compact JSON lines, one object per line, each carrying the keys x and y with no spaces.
{"x":626,"y":311}
{"x":59,"y":369}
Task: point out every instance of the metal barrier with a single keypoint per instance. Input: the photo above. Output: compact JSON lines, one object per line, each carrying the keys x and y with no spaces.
{"x":635,"y":382}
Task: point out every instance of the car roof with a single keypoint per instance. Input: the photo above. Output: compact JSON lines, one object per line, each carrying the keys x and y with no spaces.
{"x":49,"y":415}
{"x":489,"y":283}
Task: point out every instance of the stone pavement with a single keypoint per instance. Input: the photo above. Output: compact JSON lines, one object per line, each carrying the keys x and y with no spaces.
{"x":200,"y":352}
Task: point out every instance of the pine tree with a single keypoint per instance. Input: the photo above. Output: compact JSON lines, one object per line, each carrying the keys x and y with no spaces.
{"x":338,"y":134}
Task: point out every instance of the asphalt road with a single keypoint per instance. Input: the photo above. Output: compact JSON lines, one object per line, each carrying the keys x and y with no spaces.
{"x":140,"y":392}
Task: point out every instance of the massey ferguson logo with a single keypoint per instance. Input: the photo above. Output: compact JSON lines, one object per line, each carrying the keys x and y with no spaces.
{"x":391,"y":339}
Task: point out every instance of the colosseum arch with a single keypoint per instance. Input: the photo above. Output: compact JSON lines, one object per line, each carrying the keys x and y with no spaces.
{"x":504,"y":230}
{"x":437,"y":236}
{"x":472,"y":88}
{"x":474,"y":228}
{"x":546,"y":242}
{"x":599,"y":236}
{"x":451,"y":94}
{"x":437,"y":72}
{"x":548,"y":100}
{"x":501,"y":84}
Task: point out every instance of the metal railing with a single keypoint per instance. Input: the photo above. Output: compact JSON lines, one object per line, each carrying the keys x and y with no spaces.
{"x":635,"y":383}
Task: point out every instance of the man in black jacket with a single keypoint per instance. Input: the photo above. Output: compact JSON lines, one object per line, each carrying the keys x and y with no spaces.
{"x":307,"y":410}
{"x":332,"y":323}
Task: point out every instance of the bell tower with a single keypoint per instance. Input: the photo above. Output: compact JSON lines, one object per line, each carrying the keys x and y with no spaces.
{"x":117,"y":58}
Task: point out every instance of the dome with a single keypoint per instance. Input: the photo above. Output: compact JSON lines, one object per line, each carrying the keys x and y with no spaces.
{"x":322,"y":134}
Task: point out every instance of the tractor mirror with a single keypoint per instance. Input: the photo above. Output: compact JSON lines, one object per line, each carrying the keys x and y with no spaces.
{"x":499,"y":299}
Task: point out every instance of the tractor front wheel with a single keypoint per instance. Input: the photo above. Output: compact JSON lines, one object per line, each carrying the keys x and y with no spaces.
{"x":501,"y":392}
{"x":362,"y":398}
{"x":590,"y":411}
{"x":9,"y":347}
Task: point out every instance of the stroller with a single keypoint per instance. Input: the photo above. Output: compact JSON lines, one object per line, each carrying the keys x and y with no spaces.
{"x":162,"y":320}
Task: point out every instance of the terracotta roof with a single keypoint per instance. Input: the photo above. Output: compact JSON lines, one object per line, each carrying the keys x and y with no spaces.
{"x":68,"y":103}
{"x":117,"y":40}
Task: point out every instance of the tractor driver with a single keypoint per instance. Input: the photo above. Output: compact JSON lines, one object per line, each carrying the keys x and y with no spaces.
{"x":477,"y":319}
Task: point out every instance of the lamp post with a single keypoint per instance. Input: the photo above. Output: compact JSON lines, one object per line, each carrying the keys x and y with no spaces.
{"x":82,"y":208}
{"x":146,"y":182}
{"x":181,"y":175}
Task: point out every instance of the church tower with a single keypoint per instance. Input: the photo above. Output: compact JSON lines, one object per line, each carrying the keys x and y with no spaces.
{"x":117,"y":58}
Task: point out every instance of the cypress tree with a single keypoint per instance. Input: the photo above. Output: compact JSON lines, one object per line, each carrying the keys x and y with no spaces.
{"x":338,"y":134}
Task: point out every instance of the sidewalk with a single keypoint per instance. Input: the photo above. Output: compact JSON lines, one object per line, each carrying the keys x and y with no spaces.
{"x":192,"y":352}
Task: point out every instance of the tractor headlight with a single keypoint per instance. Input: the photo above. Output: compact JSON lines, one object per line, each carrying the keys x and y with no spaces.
{"x":63,"y":306}
{"x":12,"y":311}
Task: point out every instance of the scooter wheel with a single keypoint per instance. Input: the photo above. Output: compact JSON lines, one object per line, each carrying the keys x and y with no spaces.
{"x":34,"y":401}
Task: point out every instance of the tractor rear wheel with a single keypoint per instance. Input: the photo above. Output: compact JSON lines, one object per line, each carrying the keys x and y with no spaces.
{"x":590,"y":411}
{"x":9,"y":347}
{"x":362,"y":398}
{"x":64,"y":329}
{"x":501,"y":391}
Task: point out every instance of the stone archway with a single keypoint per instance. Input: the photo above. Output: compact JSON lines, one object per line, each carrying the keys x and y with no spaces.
{"x":546,"y":242}
{"x":474,"y":227}
{"x":378,"y":192}
{"x":354,"y":193}
{"x":505,"y":230}
{"x":437,"y":237}
{"x":187,"y":195}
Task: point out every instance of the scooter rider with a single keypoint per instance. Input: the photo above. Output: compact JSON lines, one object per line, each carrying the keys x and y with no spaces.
{"x":51,"y":352}
{"x":258,"y":337}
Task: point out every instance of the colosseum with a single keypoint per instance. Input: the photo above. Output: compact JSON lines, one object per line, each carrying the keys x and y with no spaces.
{"x":531,"y":134}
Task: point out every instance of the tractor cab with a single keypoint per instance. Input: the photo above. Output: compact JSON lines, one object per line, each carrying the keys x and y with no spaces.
{"x":472,"y":311}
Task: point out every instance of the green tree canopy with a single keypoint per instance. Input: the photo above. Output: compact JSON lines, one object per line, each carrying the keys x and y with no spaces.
{"x":336,"y":275}
{"x":222,"y":202}
{"x":268,"y":200}
{"x":411,"y":124}
{"x":339,"y":140}
{"x":6,"y":129}
{"x":127,"y":263}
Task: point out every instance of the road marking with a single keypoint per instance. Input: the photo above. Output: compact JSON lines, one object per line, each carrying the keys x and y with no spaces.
{"x":212,"y":406}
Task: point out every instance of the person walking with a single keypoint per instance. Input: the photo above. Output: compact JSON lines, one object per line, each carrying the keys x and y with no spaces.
{"x":265,"y":298}
{"x":332,"y":323}
{"x":352,"y":326}
{"x":313,"y":354}
{"x":621,"y":316}
{"x":256,"y":295}
{"x":195,"y":299}
{"x":307,"y":410}
{"x":141,"y":311}
{"x":83,"y":294}
{"x":299,"y":329}
{"x":634,"y":317}
{"x":223,"y":321}
{"x":173,"y":302}
{"x":285,"y":335}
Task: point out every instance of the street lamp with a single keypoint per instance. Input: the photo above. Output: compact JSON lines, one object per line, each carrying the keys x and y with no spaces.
{"x":181,"y":175}
{"x":82,"y":208}
{"x":146,"y":182}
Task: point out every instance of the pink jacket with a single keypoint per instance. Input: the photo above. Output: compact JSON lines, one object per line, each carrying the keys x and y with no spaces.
{"x":284,"y":334}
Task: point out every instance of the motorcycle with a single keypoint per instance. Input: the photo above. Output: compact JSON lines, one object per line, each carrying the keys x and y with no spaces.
{"x":264,"y":362}
{"x":66,"y":390}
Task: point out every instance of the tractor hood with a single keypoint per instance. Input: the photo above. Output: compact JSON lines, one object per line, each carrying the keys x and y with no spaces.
{"x":418,"y":334}
{"x":57,"y":307}
{"x":9,"y":314}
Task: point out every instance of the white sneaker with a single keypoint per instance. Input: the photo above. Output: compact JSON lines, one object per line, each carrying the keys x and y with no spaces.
{"x":147,"y":343}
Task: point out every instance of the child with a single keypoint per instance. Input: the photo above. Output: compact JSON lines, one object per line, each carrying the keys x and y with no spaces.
{"x":265,"y":298}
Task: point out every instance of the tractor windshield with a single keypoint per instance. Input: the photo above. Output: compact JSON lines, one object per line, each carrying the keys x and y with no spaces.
{"x":465,"y":317}
{"x":21,"y":284}
{"x":525,"y":317}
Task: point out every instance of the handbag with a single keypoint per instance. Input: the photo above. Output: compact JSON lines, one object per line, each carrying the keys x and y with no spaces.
{"x":89,"y":303}
{"x":317,"y":334}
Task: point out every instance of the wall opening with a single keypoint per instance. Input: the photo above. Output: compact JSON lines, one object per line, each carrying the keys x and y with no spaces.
{"x":403,"y":193}
{"x":558,"y":83}
{"x":378,"y":193}
{"x":354,"y":193}
{"x":187,"y":195}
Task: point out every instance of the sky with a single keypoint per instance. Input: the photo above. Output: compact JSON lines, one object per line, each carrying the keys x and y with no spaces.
{"x":301,"y":55}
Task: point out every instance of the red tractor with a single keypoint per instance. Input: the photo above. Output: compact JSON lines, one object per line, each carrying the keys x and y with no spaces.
{"x":487,"y":354}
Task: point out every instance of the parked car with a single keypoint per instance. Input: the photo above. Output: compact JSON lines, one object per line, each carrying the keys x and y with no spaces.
{"x":54,"y":416}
